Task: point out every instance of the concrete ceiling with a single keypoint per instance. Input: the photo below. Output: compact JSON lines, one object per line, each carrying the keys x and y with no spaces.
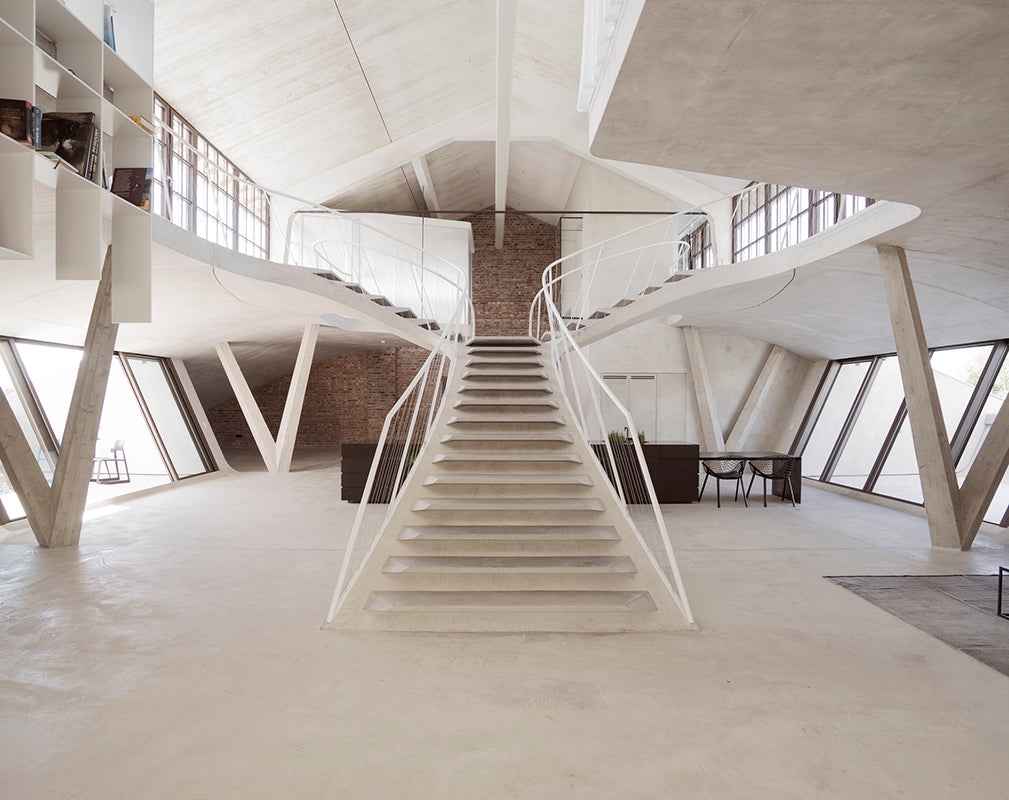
{"x":906,"y":100}
{"x":349,"y":101}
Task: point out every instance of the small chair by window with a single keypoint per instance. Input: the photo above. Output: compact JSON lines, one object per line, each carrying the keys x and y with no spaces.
{"x":110,"y":463}
{"x":723,"y":470}
{"x":775,"y":469}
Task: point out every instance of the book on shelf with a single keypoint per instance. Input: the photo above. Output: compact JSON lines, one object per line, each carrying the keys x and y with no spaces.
{"x":133,"y":184}
{"x":73,"y":136}
{"x":110,"y":33}
{"x":143,"y":122}
{"x":17,"y":120}
{"x":36,"y":126}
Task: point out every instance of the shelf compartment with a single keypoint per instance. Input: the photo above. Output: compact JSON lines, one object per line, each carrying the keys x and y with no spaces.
{"x":17,"y":219}
{"x":18,"y":16}
{"x":77,"y":48}
{"x":130,"y":93}
{"x":16,"y":54}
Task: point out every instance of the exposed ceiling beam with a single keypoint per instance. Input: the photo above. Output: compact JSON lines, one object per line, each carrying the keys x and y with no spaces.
{"x":506,"y":14}
{"x":423,"y":172}
{"x":331,"y":183}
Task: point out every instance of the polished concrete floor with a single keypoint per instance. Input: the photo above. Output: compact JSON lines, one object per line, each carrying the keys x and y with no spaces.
{"x":177,"y":654}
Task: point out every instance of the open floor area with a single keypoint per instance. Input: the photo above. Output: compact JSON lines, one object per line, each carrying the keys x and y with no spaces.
{"x":177,"y":653}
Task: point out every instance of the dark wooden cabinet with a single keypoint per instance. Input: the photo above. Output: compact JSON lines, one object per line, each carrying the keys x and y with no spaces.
{"x":672,"y":467}
{"x":355,"y":463}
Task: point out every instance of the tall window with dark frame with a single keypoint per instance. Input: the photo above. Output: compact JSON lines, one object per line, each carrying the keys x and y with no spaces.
{"x":198,"y":188}
{"x":769,"y":217}
{"x":698,"y":240}
{"x":856,"y":432}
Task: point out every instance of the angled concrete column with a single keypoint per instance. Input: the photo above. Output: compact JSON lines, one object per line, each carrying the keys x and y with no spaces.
{"x":984,"y":477}
{"x":296,"y":398}
{"x":749,"y":415}
{"x":55,"y":513}
{"x":711,"y":429}
{"x":23,"y":470}
{"x":931,"y":445}
{"x":277,"y":454}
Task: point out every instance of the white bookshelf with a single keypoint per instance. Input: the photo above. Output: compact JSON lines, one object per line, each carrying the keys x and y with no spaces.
{"x":84,"y":75}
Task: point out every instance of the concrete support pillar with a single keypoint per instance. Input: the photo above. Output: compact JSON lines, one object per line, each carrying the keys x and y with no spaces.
{"x":711,"y":429}
{"x":276,"y":454}
{"x":749,"y":415}
{"x":984,"y":477}
{"x":931,"y":445}
{"x":296,"y":398}
{"x":55,"y":513}
{"x":250,"y":409}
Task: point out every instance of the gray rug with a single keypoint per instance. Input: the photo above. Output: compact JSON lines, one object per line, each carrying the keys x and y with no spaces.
{"x":956,"y":609}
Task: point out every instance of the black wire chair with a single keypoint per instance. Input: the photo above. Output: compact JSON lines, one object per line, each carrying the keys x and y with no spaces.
{"x":774,"y":469}
{"x":730,"y":469}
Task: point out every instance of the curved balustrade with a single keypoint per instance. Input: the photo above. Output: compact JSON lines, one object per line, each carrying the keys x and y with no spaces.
{"x":395,"y":273}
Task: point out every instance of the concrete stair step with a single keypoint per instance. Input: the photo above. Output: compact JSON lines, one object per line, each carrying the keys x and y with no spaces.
{"x":491,"y":363}
{"x":491,"y":404}
{"x":552,"y":565}
{"x":510,"y":602}
{"x":509,"y":505}
{"x":518,"y":485}
{"x":509,"y":533}
{"x":502,"y":341}
{"x":503,"y":420}
{"x":490,"y":389}
{"x":497,"y":479}
{"x":511,"y":374}
{"x":469,"y":459}
{"x":507,"y":438}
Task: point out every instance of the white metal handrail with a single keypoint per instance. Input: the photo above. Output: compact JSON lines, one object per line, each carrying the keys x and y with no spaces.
{"x":424,"y":289}
{"x":630,"y":475}
{"x":404,"y":436}
{"x":427,"y":268}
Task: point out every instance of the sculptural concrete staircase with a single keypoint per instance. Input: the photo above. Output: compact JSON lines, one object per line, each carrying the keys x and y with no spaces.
{"x":507,"y":523}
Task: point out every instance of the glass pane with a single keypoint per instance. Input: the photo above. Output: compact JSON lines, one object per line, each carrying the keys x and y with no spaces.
{"x":957,"y":372}
{"x":835,"y":411}
{"x":991,"y":407}
{"x":52,"y":371}
{"x":47,"y":460}
{"x":871,"y":427}
{"x":899,"y":477}
{"x":140,"y":464}
{"x":169,"y":419}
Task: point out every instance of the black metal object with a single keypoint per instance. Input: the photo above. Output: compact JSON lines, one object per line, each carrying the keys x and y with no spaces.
{"x":998,"y":606}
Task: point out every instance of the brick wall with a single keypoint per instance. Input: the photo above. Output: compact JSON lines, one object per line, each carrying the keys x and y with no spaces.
{"x":505,"y":281}
{"x":346,"y":400}
{"x":348,"y":397}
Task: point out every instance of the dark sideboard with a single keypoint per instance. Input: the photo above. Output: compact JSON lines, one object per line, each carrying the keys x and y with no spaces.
{"x":673,"y":468}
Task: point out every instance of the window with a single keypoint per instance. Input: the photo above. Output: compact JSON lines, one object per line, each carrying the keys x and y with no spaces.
{"x":769,"y":217}
{"x":857,"y":433}
{"x":697,"y":239}
{"x":198,"y":188}
{"x":143,"y":408}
